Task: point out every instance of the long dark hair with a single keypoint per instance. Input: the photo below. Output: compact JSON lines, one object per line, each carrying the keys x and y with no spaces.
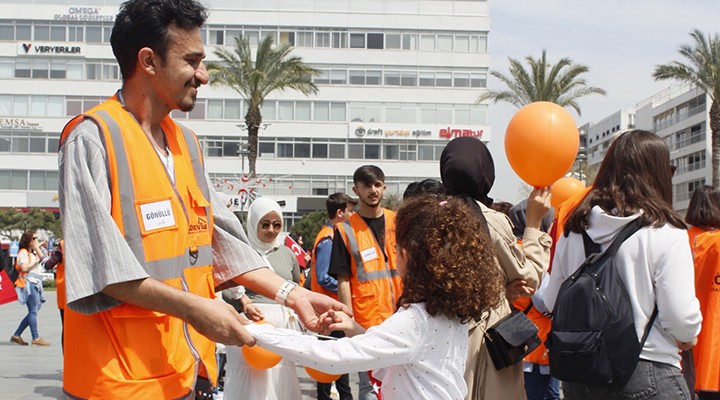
{"x":634,"y":175}
{"x":26,"y":239}
{"x":704,"y":208}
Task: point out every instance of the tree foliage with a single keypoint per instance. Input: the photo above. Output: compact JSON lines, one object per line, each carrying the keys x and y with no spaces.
{"x":559,"y":83}
{"x":702,"y":69}
{"x":14,"y":222}
{"x":273,"y":69}
{"x":309,"y":226}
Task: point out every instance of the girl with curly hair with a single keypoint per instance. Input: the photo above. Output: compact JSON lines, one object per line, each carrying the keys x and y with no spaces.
{"x":420,"y":351}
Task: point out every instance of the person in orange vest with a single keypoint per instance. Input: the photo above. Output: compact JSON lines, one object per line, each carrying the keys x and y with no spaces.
{"x":703,"y":216}
{"x":147,"y":241}
{"x":363,"y":258}
{"x":340,"y":207}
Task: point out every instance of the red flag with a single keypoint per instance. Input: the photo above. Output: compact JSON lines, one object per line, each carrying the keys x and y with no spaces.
{"x":7,"y":289}
{"x":299,"y":252}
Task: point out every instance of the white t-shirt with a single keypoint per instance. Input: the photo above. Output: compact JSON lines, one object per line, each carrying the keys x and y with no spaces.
{"x":25,"y":256}
{"x":421,"y":357}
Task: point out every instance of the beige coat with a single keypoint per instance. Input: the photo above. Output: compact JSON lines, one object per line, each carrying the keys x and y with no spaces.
{"x":528,"y":261}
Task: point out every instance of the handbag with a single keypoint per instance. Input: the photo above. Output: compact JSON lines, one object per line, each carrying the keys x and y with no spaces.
{"x":512,"y":338}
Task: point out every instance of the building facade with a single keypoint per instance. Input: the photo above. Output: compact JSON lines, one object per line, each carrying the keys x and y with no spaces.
{"x":399,"y":79}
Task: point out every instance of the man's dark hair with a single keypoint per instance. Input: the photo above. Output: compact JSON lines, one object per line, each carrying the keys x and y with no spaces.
{"x":432,"y":186}
{"x":145,"y":23}
{"x":338,"y":201}
{"x":704,"y":208}
{"x":368,"y":174}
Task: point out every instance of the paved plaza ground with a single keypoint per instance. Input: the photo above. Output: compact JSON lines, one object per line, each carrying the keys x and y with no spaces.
{"x":35,"y":372}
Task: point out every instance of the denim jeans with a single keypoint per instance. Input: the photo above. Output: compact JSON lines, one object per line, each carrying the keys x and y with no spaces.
{"x":33,"y":305}
{"x":541,"y":387}
{"x":651,"y":380}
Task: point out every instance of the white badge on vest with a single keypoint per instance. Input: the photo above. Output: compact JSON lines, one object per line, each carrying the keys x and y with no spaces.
{"x":157,"y":215}
{"x":368,"y":254}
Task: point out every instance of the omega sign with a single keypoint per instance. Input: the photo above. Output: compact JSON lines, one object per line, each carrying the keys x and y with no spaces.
{"x":47,"y":49}
{"x":84,"y":14}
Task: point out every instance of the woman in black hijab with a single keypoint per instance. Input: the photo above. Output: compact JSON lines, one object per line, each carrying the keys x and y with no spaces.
{"x":467,"y":171}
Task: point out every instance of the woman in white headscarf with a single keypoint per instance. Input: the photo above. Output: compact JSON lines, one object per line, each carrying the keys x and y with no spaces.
{"x":280,"y":382}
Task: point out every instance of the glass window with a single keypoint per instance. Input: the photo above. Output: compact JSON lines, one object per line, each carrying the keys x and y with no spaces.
{"x":5,"y":143}
{"x":428,"y":116}
{"x":42,"y":32}
{"x":357,"y":40}
{"x":356,"y":151}
{"x":322,"y":111}
{"x":445,"y":43}
{"x":57,"y":33}
{"x":392,"y":41}
{"x":232,"y":35}
{"x":18,"y":180}
{"x":23,"y":32}
{"x":409,"y":41}
{"x":462,"y":117}
{"x":373,"y":113}
{"x":461,"y":80}
{"x":337,"y":112}
{"x":214,"y":109}
{"x":37,"y":180}
{"x":254,"y":37}
{"x":392,"y":114}
{"x":302,"y":150}
{"x":7,"y":32}
{"x":482,"y":44}
{"x":217,"y":37}
{"x":285,"y":111}
{"x":55,"y":106}
{"x":20,"y":144}
{"x":267,"y":110}
{"x":427,"y":42}
{"x":302,"y":111}
{"x":426,"y":79}
{"x":107,"y":32}
{"x":198,"y":112}
{"x":7,"y":69}
{"x":5,"y":179}
{"x":462,"y":43}
{"x":444,"y":116}
{"x":425,"y":153}
{"x":232,"y":109}
{"x":285,"y":150}
{"x":93,"y":34}
{"x":323,"y":77}
{"x":443,"y":79}
{"x":337,"y":151}
{"x":53,"y":144}
{"x":392,"y":78}
{"x":375,"y":40}
{"x":409,"y":79}
{"x":322,"y":39}
{"x":320,"y":150}
{"x":38,"y":106}
{"x":22,"y":69}
{"x":478,"y":80}
{"x":373,"y":77}
{"x":408,"y":115}
{"x":392,"y":152}
{"x":304,"y":39}
{"x":76,"y":34}
{"x":338,"y":77}
{"x":58,"y":69}
{"x":357,"y":77}
{"x":339,"y":40}
{"x":6,"y":104}
{"x":74,"y":107}
{"x":41,"y":69}
{"x":266,"y":149}
{"x":21,"y":105}
{"x":372,"y":151}
{"x":51,"y":180}
{"x":287,"y":37}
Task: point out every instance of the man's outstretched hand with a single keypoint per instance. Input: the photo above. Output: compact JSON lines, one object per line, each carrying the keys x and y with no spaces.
{"x":310,"y":306}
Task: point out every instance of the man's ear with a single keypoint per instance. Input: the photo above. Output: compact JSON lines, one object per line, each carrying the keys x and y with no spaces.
{"x":147,"y":60}
{"x":354,"y":189}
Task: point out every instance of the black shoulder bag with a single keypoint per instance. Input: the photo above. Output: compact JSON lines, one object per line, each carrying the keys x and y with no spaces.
{"x":512,"y":338}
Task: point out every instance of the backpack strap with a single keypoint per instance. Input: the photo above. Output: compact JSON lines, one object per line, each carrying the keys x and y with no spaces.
{"x":649,"y":326}
{"x":593,"y":248}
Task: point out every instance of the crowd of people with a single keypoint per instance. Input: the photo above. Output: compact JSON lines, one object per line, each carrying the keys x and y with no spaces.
{"x":405,"y":298}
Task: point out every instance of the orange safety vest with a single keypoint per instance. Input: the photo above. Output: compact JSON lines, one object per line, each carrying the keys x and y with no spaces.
{"x":129,"y":352}
{"x":693,"y":231}
{"x":325,"y":232}
{"x":374,"y":283}
{"x":20,"y":282}
{"x":60,"y":279}
{"x":707,"y":289}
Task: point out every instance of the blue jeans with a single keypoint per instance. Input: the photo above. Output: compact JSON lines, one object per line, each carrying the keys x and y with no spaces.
{"x":651,"y":380}
{"x":541,"y":387}
{"x":33,"y":305}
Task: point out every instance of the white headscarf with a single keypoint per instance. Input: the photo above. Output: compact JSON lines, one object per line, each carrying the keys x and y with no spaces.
{"x":259,"y":208}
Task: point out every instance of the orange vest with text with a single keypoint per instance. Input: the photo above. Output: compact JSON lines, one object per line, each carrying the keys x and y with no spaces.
{"x":707,"y":289}
{"x":325,"y":232}
{"x":129,"y":352}
{"x":693,"y":231}
{"x":374,"y":283}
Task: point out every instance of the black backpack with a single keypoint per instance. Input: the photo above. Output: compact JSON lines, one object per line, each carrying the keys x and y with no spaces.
{"x":593,"y":339}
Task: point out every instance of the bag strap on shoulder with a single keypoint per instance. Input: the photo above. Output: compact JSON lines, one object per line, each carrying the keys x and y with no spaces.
{"x":649,"y":326}
{"x":593,"y":248}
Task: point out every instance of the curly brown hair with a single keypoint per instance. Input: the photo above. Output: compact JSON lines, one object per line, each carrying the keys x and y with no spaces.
{"x":450,"y":259}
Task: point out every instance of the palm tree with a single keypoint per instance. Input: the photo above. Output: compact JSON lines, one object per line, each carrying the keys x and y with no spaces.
{"x":703,"y":71}
{"x":272,"y":69}
{"x":560,"y":83}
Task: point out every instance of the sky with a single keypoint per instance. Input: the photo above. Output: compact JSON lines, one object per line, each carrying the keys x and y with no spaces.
{"x":621,"y":41}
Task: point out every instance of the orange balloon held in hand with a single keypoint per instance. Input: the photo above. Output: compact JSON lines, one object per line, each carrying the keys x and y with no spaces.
{"x":541,"y":142}
{"x":320,"y":376}
{"x":564,"y":189}
{"x":259,"y":358}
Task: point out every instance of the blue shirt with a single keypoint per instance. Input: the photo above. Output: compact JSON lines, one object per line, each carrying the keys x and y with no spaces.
{"x":323,"y":250}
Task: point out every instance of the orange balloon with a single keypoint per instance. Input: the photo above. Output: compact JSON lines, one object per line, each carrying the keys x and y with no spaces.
{"x":260,"y":358}
{"x":564,"y":189}
{"x":541,"y":142}
{"x":320,"y":376}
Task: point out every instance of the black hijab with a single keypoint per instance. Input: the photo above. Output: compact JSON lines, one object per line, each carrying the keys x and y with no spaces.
{"x":467,"y":171}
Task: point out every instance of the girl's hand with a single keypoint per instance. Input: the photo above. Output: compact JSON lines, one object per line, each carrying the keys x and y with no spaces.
{"x":251,"y":310}
{"x":339,"y":321}
{"x":538,"y":205}
{"x":686,"y":346}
